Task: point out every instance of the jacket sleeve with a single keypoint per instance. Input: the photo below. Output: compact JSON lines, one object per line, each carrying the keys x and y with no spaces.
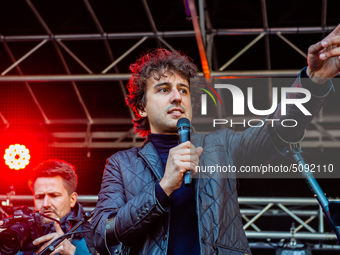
{"x":256,"y":144}
{"x":116,"y":220}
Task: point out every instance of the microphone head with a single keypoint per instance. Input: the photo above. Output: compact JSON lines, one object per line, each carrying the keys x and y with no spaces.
{"x":183,"y":123}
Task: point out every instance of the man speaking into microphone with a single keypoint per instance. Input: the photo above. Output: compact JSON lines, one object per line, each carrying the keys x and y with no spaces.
{"x":144,"y":204}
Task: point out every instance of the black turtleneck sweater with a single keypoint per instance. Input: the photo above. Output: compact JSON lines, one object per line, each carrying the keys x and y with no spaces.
{"x":183,"y":233}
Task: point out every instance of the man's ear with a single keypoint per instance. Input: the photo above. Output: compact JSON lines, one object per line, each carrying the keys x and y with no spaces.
{"x":73,"y":199}
{"x":142,"y":113}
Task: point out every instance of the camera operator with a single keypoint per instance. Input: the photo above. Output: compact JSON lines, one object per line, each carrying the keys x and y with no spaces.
{"x":53,"y":184}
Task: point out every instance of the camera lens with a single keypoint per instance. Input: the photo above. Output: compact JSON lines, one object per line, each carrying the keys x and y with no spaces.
{"x":10,"y":243}
{"x":13,"y":238}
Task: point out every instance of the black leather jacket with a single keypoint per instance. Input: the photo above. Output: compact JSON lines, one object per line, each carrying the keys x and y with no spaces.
{"x":128,"y":211}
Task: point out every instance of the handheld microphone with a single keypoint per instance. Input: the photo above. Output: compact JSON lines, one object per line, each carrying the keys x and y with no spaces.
{"x":183,"y":132}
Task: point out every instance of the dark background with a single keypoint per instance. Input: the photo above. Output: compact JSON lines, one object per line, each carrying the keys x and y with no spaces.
{"x":24,"y":123}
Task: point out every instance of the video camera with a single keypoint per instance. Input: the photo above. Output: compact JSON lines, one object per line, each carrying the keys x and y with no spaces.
{"x":21,"y":229}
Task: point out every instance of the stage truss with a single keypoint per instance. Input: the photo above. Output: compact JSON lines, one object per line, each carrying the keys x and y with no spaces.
{"x":302,"y":211}
{"x":323,"y":134}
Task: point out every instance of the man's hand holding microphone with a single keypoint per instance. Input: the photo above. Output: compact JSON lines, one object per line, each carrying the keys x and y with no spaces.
{"x":181,"y":160}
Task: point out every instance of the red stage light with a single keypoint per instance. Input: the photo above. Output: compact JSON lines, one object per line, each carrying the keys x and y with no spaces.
{"x":17,"y":156}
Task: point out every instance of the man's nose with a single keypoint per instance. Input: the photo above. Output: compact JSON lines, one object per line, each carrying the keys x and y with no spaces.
{"x":176,"y":96}
{"x":47,"y":202}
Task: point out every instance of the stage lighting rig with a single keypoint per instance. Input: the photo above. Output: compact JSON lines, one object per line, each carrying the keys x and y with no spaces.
{"x":17,"y":156}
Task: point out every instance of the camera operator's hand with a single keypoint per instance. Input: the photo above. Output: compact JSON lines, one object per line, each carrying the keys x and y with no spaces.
{"x":1,"y":223}
{"x":65,"y":247}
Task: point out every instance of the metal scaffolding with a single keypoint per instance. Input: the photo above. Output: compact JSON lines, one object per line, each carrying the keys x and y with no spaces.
{"x":301,"y":211}
{"x":205,"y":35}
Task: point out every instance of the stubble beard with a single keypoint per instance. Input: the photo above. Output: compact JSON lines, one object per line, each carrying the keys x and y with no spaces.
{"x":167,"y":126}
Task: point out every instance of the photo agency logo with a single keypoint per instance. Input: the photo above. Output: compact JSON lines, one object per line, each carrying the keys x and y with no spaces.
{"x":204,"y":98}
{"x":296,"y":96}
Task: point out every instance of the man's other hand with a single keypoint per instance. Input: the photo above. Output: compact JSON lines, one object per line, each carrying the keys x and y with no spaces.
{"x":182,"y":158}
{"x":324,"y":58}
{"x":64,"y":247}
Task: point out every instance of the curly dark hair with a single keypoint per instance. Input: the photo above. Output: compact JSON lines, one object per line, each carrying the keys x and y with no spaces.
{"x":155,"y":64}
{"x":52,"y":168}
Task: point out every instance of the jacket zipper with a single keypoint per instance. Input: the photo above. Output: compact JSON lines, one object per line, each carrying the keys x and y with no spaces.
{"x":197,"y":212}
{"x":197,"y":201}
